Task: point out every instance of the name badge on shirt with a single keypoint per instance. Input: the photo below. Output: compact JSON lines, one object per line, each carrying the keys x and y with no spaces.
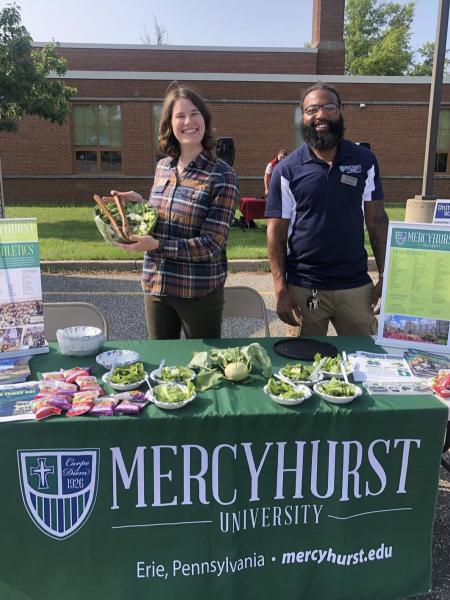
{"x":349,"y":180}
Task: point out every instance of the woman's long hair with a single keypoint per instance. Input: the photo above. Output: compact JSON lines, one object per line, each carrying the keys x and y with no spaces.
{"x":168,"y":143}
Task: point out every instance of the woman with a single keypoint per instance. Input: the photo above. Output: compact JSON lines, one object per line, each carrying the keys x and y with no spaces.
{"x":196,"y":194}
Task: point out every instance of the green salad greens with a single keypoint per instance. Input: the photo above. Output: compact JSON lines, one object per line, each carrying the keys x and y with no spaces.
{"x":173,"y":392}
{"x":336,"y":387}
{"x":282,"y":389}
{"x":175,"y":374}
{"x":331,"y":365}
{"x":297,"y":372}
{"x":131,"y":374}
{"x":141,"y":218}
{"x":233,"y":364}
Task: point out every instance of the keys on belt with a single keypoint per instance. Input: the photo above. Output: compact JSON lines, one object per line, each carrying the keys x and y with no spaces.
{"x":312,"y":302}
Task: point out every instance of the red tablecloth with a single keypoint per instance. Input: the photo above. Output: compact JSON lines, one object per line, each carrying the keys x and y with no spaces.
{"x":252,"y":208}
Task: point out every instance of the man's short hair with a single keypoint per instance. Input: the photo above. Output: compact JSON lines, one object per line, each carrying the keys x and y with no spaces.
{"x":321,"y":86}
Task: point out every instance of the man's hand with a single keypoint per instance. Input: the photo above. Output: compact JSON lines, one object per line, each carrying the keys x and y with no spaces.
{"x":287,"y":309}
{"x":142,"y":243}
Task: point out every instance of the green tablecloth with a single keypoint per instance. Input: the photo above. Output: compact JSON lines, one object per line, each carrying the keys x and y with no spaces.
{"x":231,"y":497}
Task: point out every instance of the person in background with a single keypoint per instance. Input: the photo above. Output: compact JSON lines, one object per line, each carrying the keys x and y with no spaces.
{"x":282,"y":153}
{"x":196,"y":195}
{"x":319,"y":198}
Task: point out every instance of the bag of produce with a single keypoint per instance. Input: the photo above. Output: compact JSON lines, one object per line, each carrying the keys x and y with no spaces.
{"x":117,"y":221}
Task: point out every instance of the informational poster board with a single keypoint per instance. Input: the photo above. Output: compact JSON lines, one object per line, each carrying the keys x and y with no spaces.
{"x":21,"y":311}
{"x":442,"y":212}
{"x":415,"y":303}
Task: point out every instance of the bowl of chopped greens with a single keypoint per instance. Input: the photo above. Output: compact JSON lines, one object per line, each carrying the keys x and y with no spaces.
{"x":337,"y":391}
{"x":285,"y":393}
{"x":123,"y":379}
{"x":298,"y":373}
{"x":172,"y":374}
{"x":331,"y":367}
{"x":170,"y":396}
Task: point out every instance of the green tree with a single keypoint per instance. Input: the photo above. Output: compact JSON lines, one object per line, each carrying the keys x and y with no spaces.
{"x":377,"y":37}
{"x":425,"y":66}
{"x":25,"y":88}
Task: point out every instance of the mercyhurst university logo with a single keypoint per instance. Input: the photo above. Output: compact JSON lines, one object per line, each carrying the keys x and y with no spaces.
{"x":59,"y":488}
{"x":400,"y":237}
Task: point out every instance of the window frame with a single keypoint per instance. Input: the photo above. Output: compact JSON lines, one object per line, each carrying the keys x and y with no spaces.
{"x":97,"y":148}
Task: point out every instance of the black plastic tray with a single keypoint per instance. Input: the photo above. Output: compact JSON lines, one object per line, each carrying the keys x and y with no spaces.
{"x":304,"y":348}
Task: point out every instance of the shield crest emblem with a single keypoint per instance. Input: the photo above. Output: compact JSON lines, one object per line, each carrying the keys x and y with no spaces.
{"x":400,"y":237}
{"x":59,"y":488}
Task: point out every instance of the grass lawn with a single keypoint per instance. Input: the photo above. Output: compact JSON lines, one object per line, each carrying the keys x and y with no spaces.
{"x":69,"y":233}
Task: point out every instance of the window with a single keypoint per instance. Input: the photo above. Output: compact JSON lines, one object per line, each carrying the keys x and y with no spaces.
{"x":442,"y":164}
{"x":97,"y":137}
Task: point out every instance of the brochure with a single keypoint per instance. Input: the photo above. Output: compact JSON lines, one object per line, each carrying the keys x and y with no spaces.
{"x":381,"y":367}
{"x":426,"y":364}
{"x":14,"y":370}
{"x":16,"y":401}
{"x":398,"y":388}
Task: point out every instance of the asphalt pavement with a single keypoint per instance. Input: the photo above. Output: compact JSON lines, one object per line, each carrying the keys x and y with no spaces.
{"x":118,"y":295}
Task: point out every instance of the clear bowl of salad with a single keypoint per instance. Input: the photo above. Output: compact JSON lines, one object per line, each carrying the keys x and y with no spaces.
{"x":299,"y":373}
{"x":285,"y":393}
{"x":172,"y":374}
{"x":171,"y":396}
{"x":337,"y":391}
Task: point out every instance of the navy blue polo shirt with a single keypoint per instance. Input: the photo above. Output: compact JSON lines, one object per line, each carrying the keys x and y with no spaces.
{"x":325,"y":208}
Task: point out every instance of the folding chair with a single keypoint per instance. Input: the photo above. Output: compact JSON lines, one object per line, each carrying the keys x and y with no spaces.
{"x":245,"y":302}
{"x":58,"y":315}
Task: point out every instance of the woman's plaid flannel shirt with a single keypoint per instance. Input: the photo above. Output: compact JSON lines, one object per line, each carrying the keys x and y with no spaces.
{"x":195,"y":211}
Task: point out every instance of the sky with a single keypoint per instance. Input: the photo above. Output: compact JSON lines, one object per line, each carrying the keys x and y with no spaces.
{"x":286,"y":23}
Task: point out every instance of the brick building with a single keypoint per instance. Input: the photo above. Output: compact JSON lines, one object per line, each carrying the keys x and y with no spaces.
{"x":110,"y":139}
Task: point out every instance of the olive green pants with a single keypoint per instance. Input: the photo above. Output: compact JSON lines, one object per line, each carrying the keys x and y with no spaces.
{"x":200,"y":318}
{"x":350,"y":311}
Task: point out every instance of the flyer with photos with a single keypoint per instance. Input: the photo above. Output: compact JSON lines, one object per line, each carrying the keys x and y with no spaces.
{"x":426,"y":364}
{"x":381,"y":367}
{"x":21,"y":310}
{"x":396,"y":387}
{"x":415,"y":302}
{"x":16,"y":401}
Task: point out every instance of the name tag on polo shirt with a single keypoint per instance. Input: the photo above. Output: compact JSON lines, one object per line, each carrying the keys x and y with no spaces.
{"x":349,"y":180}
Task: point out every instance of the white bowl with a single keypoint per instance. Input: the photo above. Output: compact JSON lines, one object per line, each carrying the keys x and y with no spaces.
{"x":169,"y":405}
{"x":350,"y":367}
{"x":154,"y":375}
{"x":80,"y":340}
{"x":117,"y":358}
{"x":290,"y":401}
{"x":121,"y":387}
{"x":337,"y":399}
{"x":319,"y":376}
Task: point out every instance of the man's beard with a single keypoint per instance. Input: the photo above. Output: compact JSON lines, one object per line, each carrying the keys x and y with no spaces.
{"x":323,"y":141}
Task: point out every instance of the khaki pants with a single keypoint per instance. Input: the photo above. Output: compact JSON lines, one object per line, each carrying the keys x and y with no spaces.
{"x":348,"y":310}
{"x":201,"y":318}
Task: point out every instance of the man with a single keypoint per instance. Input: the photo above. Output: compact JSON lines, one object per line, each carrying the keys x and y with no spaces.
{"x":282,"y":153}
{"x":318,"y":200}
